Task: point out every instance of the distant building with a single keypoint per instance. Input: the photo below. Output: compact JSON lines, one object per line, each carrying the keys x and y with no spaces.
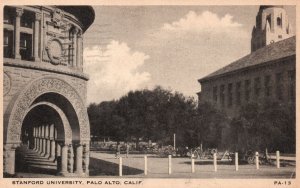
{"x":44,"y":87}
{"x":272,"y":25}
{"x":268,"y":72}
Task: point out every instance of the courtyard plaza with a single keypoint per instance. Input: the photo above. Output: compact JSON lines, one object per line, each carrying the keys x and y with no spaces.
{"x":106,"y":165}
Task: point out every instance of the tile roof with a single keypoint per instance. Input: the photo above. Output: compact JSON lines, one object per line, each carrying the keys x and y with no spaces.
{"x":278,"y":50}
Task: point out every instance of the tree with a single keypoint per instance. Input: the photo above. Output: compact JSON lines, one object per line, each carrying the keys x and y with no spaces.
{"x":267,"y":125}
{"x":147,"y":114}
{"x":207,"y":126}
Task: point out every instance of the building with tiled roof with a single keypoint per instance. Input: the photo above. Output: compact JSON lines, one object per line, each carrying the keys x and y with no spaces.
{"x":267,"y":73}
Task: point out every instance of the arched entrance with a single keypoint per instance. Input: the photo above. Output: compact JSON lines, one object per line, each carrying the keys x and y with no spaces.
{"x":49,"y":118}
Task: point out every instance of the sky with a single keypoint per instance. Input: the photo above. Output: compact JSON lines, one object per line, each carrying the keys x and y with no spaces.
{"x":137,"y":47}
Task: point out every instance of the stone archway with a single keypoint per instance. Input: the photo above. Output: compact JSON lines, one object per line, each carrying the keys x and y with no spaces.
{"x":26,"y":100}
{"x":65,"y":133}
{"x":45,"y":130}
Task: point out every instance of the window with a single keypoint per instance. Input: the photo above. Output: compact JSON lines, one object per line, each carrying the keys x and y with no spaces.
{"x":247,"y":90}
{"x":26,"y":46}
{"x":27,"y":19}
{"x":222,"y":95}
{"x":8,"y":44}
{"x":238,"y":93}
{"x":268,"y":87}
{"x":8,"y":32}
{"x":292,"y":85}
{"x":8,"y":15}
{"x":215,"y":93}
{"x":229,"y":94}
{"x":279,"y":22}
{"x":257,"y":87}
{"x":26,"y":33}
{"x":279,"y":86}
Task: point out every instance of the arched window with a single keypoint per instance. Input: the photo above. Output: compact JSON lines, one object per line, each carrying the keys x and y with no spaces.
{"x":279,"y":22}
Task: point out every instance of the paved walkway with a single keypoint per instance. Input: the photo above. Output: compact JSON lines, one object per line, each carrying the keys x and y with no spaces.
{"x":105,"y":165}
{"x":181,"y":168}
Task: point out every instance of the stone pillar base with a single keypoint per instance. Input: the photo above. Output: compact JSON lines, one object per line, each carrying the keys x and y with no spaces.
{"x":87,"y":173}
{"x":65,"y":174}
{"x":9,"y":151}
{"x":80,"y":173}
{"x":51,"y":158}
{"x":17,"y":56}
{"x":36,"y":59}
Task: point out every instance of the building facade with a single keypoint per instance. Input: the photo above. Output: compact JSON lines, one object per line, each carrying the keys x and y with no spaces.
{"x":44,"y":87}
{"x":267,"y":73}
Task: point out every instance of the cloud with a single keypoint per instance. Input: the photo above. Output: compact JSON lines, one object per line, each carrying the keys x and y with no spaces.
{"x":113,"y":71}
{"x":205,"y":21}
{"x":192,"y":47}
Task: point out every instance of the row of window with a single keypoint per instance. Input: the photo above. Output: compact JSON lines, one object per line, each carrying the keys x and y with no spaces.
{"x":257,"y":89}
{"x":26,"y":33}
{"x":27,"y":18}
{"x":26,"y":39}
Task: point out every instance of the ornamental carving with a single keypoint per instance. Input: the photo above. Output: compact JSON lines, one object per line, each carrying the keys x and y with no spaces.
{"x":38,"y":16}
{"x":19,"y":12}
{"x":55,"y":51}
{"x":34,"y":90}
{"x":6,"y":84}
{"x":57,"y":17}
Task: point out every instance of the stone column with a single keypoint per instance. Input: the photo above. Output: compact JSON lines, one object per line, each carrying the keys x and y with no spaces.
{"x":48,"y":142}
{"x":19,"y":13}
{"x":33,"y":135}
{"x":64,"y":159}
{"x":36,"y":139}
{"x":9,"y":159}
{"x":52,"y":150}
{"x":58,"y":156}
{"x":36,"y":36}
{"x":70,"y":159}
{"x":78,"y":166}
{"x":43,"y":149}
{"x":57,"y":151}
{"x":86,"y":158}
{"x":41,"y":141}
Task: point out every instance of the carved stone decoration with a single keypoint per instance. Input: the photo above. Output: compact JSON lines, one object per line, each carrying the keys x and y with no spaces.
{"x":35,"y":89}
{"x":19,"y":12}
{"x":38,"y":16}
{"x":6,"y":84}
{"x":55,"y":51}
{"x":57,"y":17}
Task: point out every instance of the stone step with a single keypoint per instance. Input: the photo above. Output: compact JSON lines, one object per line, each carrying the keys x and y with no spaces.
{"x":32,"y":162}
